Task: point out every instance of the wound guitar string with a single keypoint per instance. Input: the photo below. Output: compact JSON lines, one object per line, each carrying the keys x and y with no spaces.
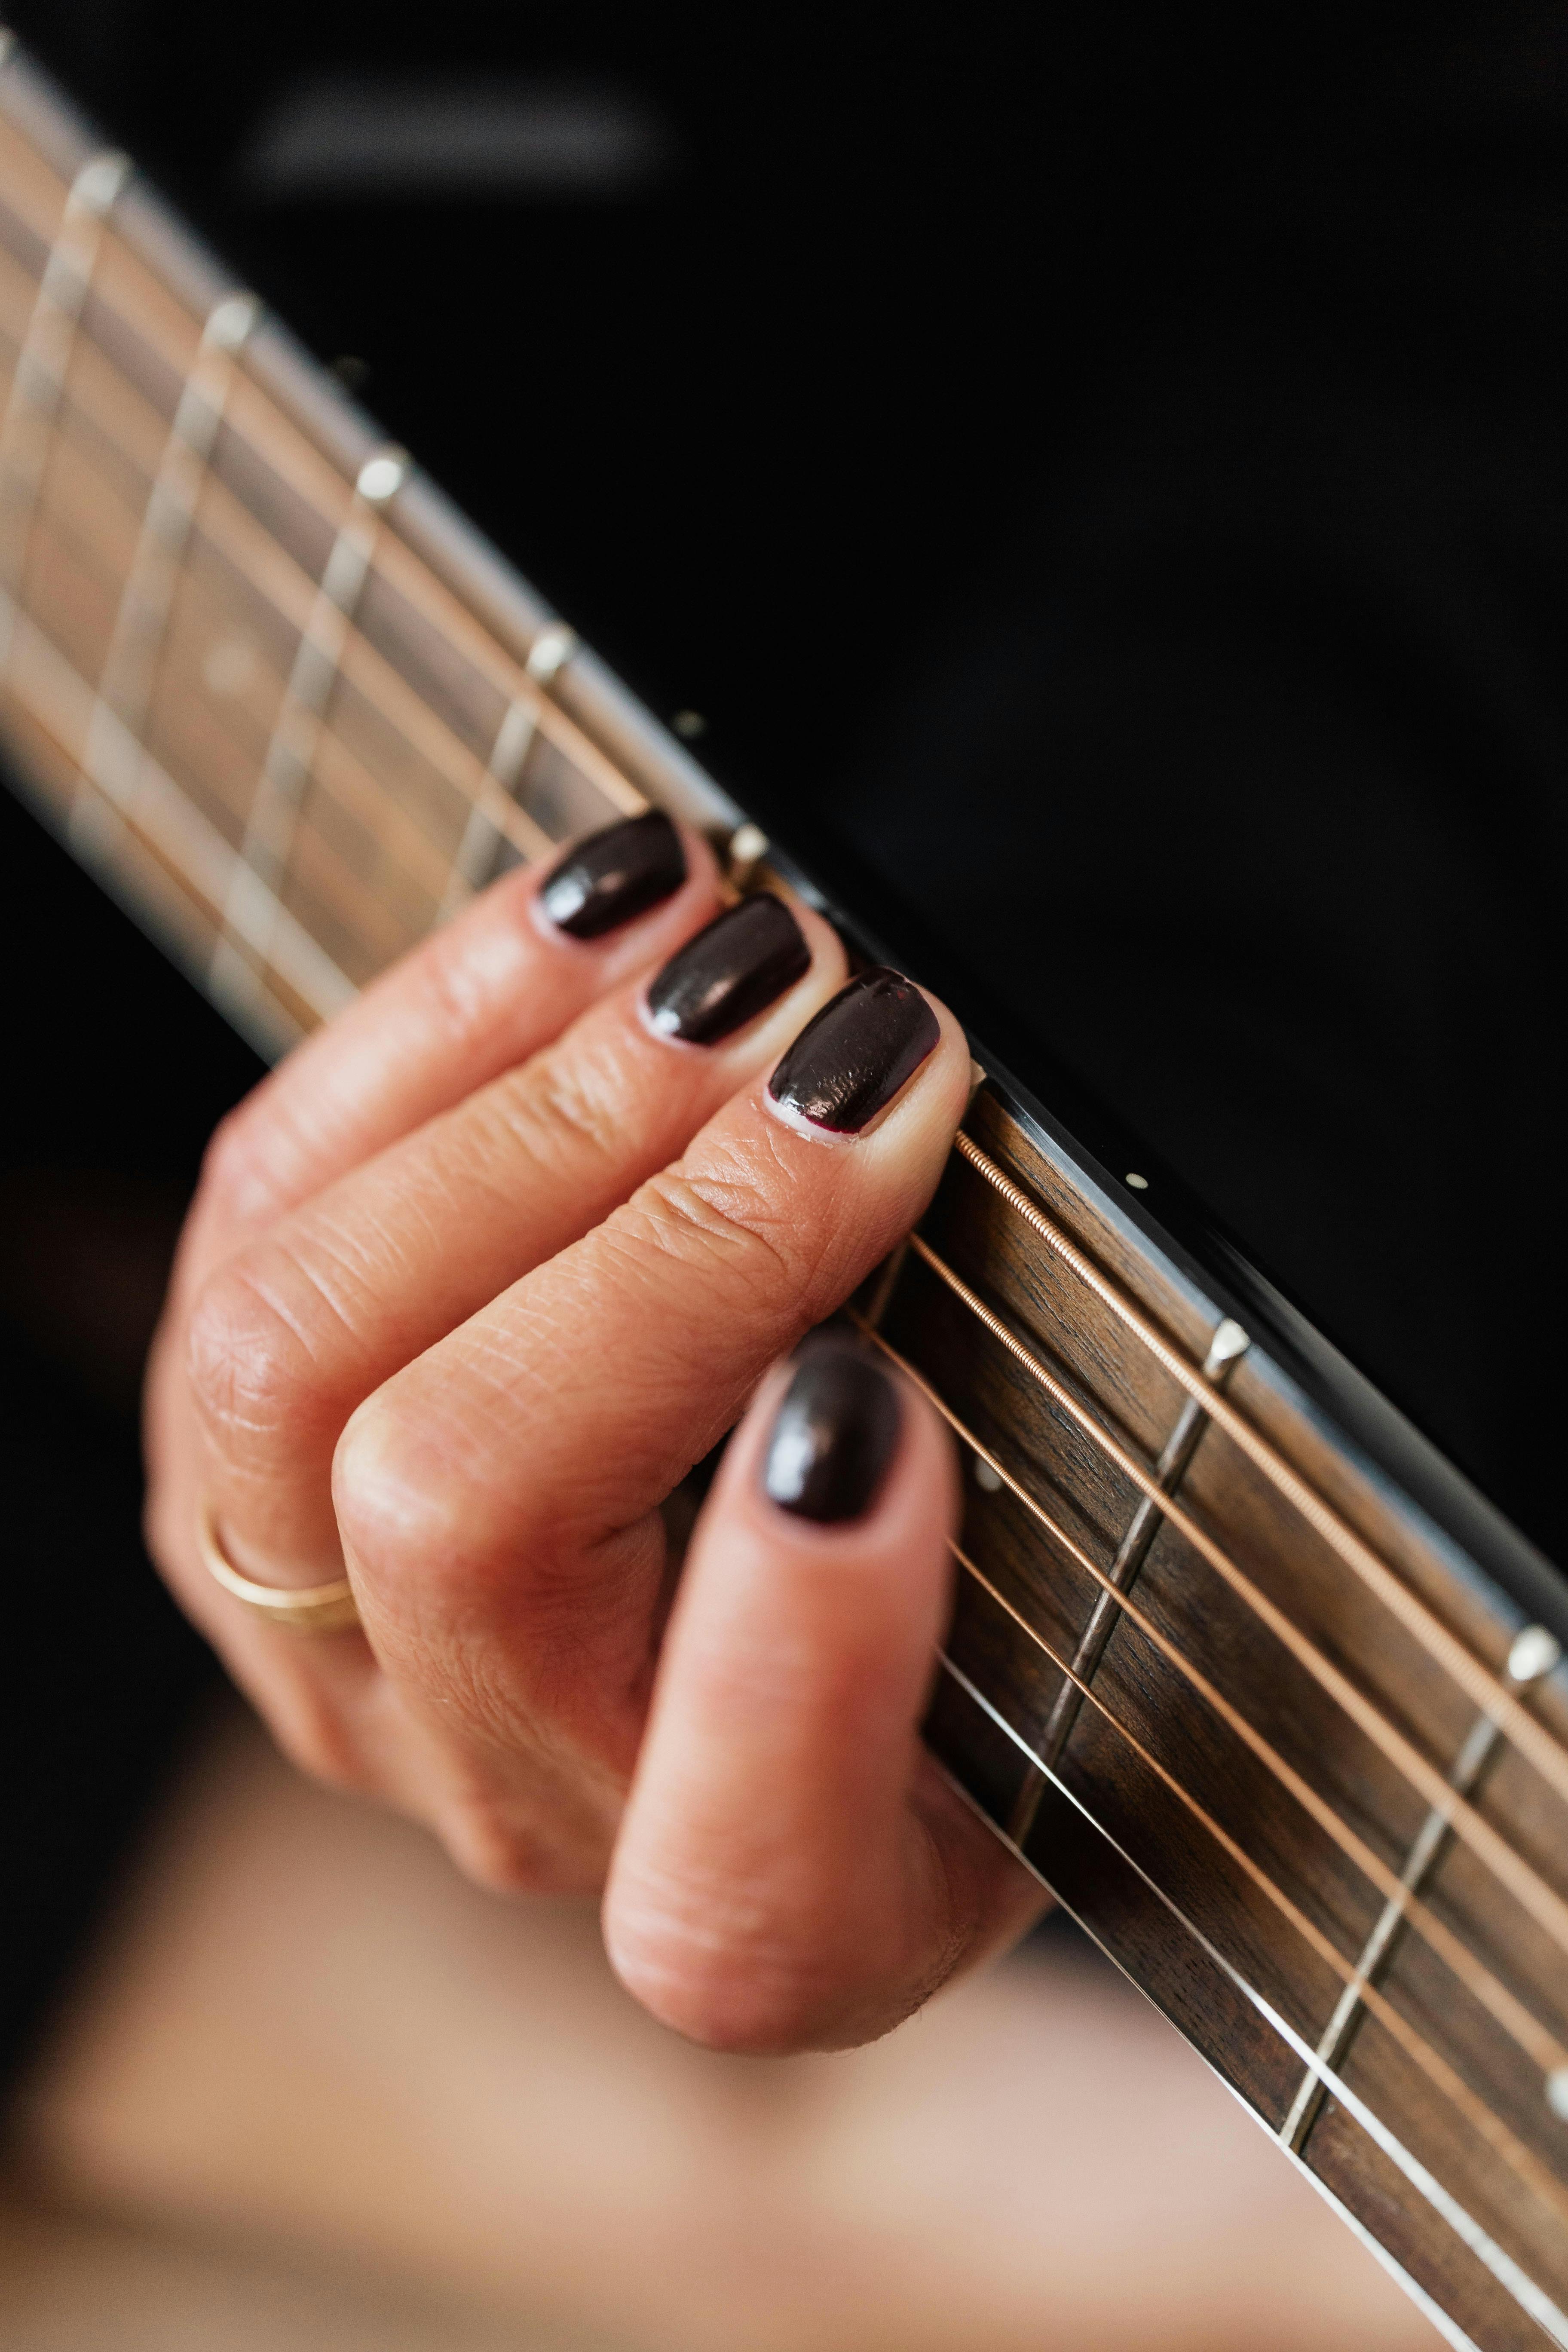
{"x":42,"y":364}
{"x":523,"y":689}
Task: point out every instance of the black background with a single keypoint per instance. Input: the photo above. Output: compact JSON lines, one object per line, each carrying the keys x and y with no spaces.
{"x":1102,"y":474}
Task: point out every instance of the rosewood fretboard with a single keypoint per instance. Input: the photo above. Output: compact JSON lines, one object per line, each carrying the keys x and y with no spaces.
{"x":1267,"y":1695}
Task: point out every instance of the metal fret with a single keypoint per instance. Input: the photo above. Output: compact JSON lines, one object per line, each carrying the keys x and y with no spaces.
{"x":136,"y":788}
{"x":37,"y":385}
{"x":484,"y":843}
{"x":252,"y":903}
{"x":1510,"y":2276}
{"x":1534,"y":1653}
{"x":142,"y":619}
{"x":1227,"y":1348}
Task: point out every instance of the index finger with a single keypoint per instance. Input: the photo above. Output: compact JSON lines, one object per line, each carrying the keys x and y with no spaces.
{"x":495,"y":1492}
{"x":481,"y":995}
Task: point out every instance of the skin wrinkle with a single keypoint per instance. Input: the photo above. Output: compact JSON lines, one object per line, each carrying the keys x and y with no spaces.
{"x":495,"y":1492}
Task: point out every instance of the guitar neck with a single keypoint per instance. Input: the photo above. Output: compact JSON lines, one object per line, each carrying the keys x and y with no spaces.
{"x":1254,"y":1683}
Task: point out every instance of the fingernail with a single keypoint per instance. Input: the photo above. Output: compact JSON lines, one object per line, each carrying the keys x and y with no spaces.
{"x":615,"y":874}
{"x":723,"y":978}
{"x":849,"y":1062}
{"x":832,"y":1437}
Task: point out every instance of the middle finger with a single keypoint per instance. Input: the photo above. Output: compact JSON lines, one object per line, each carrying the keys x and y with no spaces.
{"x":298,"y":1329}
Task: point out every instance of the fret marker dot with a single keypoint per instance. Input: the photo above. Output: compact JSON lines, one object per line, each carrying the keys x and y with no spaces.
{"x":1557,"y":2093}
{"x":1534,"y":1653}
{"x":1139,"y":1184}
{"x":989,"y":1481}
{"x":381,"y":476}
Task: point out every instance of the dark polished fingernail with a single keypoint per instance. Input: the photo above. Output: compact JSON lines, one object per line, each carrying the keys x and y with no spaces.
{"x":848,"y":1063}
{"x":615,"y":874}
{"x":834,"y":1435}
{"x":724,"y":977}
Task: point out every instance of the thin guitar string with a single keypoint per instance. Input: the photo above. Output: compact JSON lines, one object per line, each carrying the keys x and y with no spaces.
{"x":61,"y":401}
{"x":510,"y":680}
{"x":213,"y":527}
{"x":1489,"y":1695}
{"x":1510,"y":2274}
{"x":339,"y":785}
{"x":1446,"y":2326}
{"x":489,"y":659}
{"x":1302,"y":1497}
{"x":1521,"y":2159}
{"x":1175,"y":1514}
{"x":1521,"y":1729}
{"x":1517,"y":2021}
{"x":1543,"y":1901}
{"x":113,"y":760}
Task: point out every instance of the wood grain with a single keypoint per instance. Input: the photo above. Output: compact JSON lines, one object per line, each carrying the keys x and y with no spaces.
{"x":1215,"y":1814}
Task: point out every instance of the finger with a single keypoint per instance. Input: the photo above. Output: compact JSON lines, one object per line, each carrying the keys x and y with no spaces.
{"x":483,"y":993}
{"x":497,"y":1498}
{"x":293,"y":1331}
{"x":792,"y":1870}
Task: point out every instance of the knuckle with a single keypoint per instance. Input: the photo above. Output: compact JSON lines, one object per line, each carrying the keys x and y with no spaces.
{"x":729,"y":1217}
{"x":567,"y":1105}
{"x":250,"y":1369}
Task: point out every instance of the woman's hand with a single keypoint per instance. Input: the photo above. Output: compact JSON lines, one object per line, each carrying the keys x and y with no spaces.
{"x":470,"y":1283}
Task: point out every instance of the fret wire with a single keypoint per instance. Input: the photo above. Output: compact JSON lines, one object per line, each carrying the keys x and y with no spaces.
{"x":1228,"y":1345}
{"x":62,"y":702}
{"x":286,"y":775}
{"x":1483,"y":1689}
{"x":342,"y":778}
{"x":1381,"y":1945}
{"x":1510,"y":2274}
{"x":45,"y":352}
{"x":226,"y":523}
{"x":1517,"y":2021}
{"x":211,"y":534}
{"x":1305,"y":1501}
{"x":1541,"y":1900}
{"x":1521,"y":2159}
{"x":1445,"y":2327}
{"x":514,"y":740}
{"x":142,"y":620}
{"x":487,"y":658}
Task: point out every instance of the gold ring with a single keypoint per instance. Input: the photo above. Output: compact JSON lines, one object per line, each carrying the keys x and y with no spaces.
{"x":310,"y":1609}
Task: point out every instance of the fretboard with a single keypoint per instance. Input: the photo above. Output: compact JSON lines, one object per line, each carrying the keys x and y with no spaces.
{"x":1269,"y":1699}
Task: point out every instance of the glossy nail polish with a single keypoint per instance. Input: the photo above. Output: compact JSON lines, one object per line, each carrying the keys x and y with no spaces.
{"x":729,"y":973}
{"x":614,"y":876}
{"x":848,"y":1063}
{"x":834,"y":1435}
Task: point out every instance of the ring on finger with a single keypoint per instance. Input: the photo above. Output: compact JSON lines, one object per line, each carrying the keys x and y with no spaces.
{"x":310,"y":1609}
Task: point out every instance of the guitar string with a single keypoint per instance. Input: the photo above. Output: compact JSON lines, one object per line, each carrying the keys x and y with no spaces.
{"x":213,"y":527}
{"x":1167,"y":1513}
{"x":104,"y":743}
{"x":1521,"y":2159}
{"x":1517,"y":2021}
{"x":1543,"y":1901}
{"x":920,"y":1245}
{"x":516,"y":682}
{"x":1484,"y":1690}
{"x":308,"y":471}
{"x":1487,"y":1693}
{"x":1510,"y":2274}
